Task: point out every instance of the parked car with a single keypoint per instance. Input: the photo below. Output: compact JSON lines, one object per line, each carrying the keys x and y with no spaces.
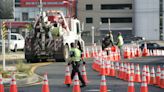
{"x":151,"y":46}
{"x":16,"y":42}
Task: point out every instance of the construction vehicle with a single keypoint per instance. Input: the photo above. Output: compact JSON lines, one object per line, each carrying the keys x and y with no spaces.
{"x":44,"y":43}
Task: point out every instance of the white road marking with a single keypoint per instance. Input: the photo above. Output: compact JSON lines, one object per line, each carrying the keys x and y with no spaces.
{"x":95,"y":90}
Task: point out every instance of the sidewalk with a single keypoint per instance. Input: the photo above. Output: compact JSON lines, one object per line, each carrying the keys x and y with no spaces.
{"x":12,"y":56}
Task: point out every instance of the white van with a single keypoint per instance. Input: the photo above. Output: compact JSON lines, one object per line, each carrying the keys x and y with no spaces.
{"x":16,"y":42}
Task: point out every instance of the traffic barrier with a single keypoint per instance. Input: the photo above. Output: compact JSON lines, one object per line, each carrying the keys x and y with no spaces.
{"x":45,"y":86}
{"x":158,"y":75}
{"x":144,"y":87}
{"x":1,"y":84}
{"x":152,"y":76}
{"x":162,"y":79}
{"x":76,"y":84}
{"x":84,"y":74}
{"x":13,"y":86}
{"x":67,"y":80}
{"x":137,"y":76}
{"x":103,"y":87}
{"x":131,"y":85}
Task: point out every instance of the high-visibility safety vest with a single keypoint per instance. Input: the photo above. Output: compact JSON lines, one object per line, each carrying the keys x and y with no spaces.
{"x":77,"y":54}
{"x":120,"y":40}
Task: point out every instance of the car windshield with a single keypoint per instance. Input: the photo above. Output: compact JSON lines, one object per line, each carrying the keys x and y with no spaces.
{"x":13,"y":37}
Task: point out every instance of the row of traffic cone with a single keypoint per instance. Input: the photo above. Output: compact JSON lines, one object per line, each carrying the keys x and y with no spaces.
{"x":125,"y":70}
{"x":13,"y":86}
{"x":68,"y":80}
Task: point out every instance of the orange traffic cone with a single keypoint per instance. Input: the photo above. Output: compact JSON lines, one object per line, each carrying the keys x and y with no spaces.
{"x":144,"y":70}
{"x":144,"y":87}
{"x":158,"y":75}
{"x":137,"y":76}
{"x":103,"y":87}
{"x":13,"y":86}
{"x":45,"y":86}
{"x":147,"y":74}
{"x":102,"y":70}
{"x":132,"y":70}
{"x":152,"y":76}
{"x":162,"y":79}
{"x":68,"y":80}
{"x":107,"y":68}
{"x":96,"y":63}
{"x":76,"y":84}
{"x":131,"y":85}
{"x":87,"y":55}
{"x":128,"y":72}
{"x":1,"y":84}
{"x":84,"y":74}
{"x":93,"y":52}
{"x":121,"y":71}
{"x":117,"y":69}
{"x":125,"y":71}
{"x":112,"y":71}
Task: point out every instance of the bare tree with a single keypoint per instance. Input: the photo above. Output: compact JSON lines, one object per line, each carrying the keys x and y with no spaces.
{"x":6,"y":9}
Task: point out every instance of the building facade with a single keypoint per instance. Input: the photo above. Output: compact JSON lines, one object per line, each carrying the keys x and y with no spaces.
{"x":98,"y":13}
{"x":28,"y":10}
{"x":147,"y":19}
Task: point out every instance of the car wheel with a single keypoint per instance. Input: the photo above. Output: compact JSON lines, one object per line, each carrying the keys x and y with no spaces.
{"x":15,"y":48}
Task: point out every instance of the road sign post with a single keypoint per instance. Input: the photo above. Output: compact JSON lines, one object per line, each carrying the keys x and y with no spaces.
{"x":4,"y":36}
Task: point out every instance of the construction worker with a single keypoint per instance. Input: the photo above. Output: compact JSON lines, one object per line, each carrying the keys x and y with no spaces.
{"x":75,"y":60}
{"x":55,"y":29}
{"x":108,"y":40}
{"x":120,"y":43}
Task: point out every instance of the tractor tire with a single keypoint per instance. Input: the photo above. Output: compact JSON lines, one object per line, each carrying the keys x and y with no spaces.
{"x":64,"y":56}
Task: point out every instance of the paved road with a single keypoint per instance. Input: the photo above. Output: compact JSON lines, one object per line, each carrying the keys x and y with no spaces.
{"x":56,"y":78}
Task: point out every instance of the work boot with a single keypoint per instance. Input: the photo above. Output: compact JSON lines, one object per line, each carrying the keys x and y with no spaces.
{"x":68,"y":85}
{"x":83,"y":85}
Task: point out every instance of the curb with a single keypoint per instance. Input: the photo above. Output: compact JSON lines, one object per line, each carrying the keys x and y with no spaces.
{"x":35,"y":79}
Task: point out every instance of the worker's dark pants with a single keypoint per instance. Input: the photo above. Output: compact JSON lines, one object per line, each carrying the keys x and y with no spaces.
{"x":75,"y":66}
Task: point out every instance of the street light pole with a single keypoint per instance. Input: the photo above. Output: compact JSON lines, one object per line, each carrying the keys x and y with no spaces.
{"x":93,"y":29}
{"x":109,"y":24}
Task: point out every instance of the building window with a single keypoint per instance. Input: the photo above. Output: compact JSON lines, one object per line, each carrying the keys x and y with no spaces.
{"x":24,"y":16}
{"x":104,"y":20}
{"x":89,"y":7}
{"x":121,"y":20}
{"x":89,"y":20}
{"x":115,"y":6}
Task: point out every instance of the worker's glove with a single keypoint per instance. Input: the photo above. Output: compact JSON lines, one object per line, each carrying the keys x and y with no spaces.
{"x":68,"y":64}
{"x":84,"y":63}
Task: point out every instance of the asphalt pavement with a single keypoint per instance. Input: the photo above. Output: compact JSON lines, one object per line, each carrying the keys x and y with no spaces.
{"x":56,"y":73}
